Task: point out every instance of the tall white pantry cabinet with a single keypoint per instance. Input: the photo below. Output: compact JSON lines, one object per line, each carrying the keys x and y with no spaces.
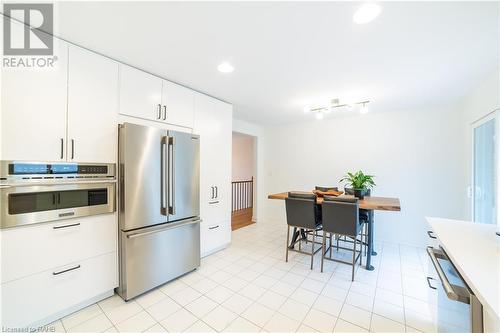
{"x":71,"y":114}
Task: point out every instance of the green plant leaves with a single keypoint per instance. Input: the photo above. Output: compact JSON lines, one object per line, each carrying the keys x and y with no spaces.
{"x":358,"y":180}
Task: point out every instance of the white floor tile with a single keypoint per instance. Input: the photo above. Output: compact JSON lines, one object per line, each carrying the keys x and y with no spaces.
{"x":328,"y":305}
{"x":320,"y":321}
{"x":283,"y":288}
{"x":138,"y":323}
{"x":111,"y":302}
{"x":219,"y":294}
{"x":361,"y":301}
{"x":305,"y":329}
{"x":383,"y":325}
{"x":122,"y":312}
{"x":258,"y":314}
{"x":235,"y":283}
{"x":343,"y":326}
{"x":199,"y":327}
{"x":265,"y":281}
{"x":156,"y":329}
{"x":219,"y":318}
{"x":201,"y":306}
{"x":304,"y":296}
{"x":389,"y":310}
{"x":220,"y":277}
{"x":204,"y":286}
{"x":172,"y":287}
{"x":356,"y":316}
{"x":335,"y":292}
{"x":163,"y":309}
{"x":281,"y":323}
{"x":241,"y":325}
{"x":55,"y":327}
{"x":99,"y":323}
{"x":237,"y":303}
{"x":389,"y":297}
{"x":185,"y":296}
{"x":272,"y":300}
{"x":252,"y":291}
{"x":81,"y":316}
{"x":150,"y":298}
{"x":294,"y":309}
{"x":178,"y":321}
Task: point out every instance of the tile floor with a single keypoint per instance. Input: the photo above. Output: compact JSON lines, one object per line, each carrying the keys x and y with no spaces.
{"x":249,"y":287}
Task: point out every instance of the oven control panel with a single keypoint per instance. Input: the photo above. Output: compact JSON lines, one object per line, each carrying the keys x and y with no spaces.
{"x":17,"y":170}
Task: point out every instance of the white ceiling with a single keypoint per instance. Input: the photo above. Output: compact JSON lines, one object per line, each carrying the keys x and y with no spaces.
{"x":289,"y":54}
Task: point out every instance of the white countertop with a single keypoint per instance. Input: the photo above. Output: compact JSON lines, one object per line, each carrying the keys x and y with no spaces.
{"x":474,"y":249}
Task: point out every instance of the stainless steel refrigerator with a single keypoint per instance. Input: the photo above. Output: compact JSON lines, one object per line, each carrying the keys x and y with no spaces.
{"x":158,"y":211}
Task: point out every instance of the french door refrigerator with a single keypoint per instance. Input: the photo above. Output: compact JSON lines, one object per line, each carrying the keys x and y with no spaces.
{"x":158,"y":211}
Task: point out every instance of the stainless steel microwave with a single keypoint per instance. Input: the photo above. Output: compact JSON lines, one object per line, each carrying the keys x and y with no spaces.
{"x":29,"y":197}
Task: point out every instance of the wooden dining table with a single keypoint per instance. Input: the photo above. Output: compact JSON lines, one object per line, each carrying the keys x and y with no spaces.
{"x":368,"y":203}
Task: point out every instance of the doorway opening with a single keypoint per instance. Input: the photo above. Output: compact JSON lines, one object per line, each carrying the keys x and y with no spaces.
{"x":243,"y":180}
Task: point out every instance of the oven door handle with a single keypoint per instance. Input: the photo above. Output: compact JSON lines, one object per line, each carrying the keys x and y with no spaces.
{"x":448,"y":288}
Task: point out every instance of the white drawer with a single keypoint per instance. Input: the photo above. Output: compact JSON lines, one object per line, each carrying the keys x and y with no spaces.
{"x":214,"y":235}
{"x":34,"y":298}
{"x":32,"y":249}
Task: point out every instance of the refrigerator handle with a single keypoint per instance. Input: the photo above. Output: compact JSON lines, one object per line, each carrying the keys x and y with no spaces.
{"x":171,"y":173}
{"x":163,"y":190}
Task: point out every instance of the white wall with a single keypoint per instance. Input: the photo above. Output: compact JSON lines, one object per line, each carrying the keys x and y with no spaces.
{"x":416,"y":156}
{"x":243,"y":157}
{"x":257,"y":132}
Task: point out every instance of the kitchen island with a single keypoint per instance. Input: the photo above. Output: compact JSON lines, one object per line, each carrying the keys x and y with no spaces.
{"x":474,"y":250}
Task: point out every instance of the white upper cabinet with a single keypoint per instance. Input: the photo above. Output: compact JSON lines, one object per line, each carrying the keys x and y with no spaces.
{"x":146,"y":96}
{"x":178,"y":103}
{"x":140,"y":94}
{"x":34,"y":111}
{"x":92,"y":107}
{"x":213,"y":122}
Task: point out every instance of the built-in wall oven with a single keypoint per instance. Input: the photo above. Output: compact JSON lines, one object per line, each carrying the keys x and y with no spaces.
{"x":35,"y":192}
{"x":458,"y":309}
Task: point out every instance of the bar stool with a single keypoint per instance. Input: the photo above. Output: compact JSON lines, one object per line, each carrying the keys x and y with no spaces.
{"x":302,"y":212}
{"x":341,"y":217}
{"x":364,"y":216}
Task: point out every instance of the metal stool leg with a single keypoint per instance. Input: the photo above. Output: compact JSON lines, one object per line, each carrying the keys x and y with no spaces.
{"x":354,"y":257}
{"x":312,"y":248}
{"x":323,"y":252}
{"x":287,"y":241}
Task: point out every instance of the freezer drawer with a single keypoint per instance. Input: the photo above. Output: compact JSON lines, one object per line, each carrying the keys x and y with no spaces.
{"x":152,"y":256}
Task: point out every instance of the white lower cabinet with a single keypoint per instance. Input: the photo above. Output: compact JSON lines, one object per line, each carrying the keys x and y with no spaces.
{"x":35,"y":299}
{"x":51,"y":269}
{"x":214,"y":236}
{"x":55,"y":244}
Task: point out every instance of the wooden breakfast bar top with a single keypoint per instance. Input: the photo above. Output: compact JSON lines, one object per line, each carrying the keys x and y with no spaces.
{"x":370,"y":203}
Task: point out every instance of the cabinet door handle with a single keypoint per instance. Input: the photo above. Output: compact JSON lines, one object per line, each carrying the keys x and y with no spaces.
{"x":66,"y":270}
{"x":431,"y":234}
{"x":214,"y":227}
{"x":429,"y":283}
{"x":212,"y":189}
{"x":164,"y":112}
{"x":58,"y":198}
{"x":216,"y":192}
{"x":53,"y":198}
{"x":72,"y":149}
{"x":159,"y":112}
{"x":62,"y":148}
{"x":65,"y":226}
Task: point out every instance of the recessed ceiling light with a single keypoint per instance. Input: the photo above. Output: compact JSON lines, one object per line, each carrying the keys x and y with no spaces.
{"x":225,"y":67}
{"x":366,"y":13}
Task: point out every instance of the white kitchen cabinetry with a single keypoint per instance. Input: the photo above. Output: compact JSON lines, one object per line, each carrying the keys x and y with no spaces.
{"x":146,"y":96}
{"x":73,"y":264}
{"x":213,"y":122}
{"x":140,"y":94}
{"x":92,"y":107}
{"x":34,"y":111}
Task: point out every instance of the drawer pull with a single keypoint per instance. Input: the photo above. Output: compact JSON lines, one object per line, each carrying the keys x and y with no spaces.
{"x":214,"y":227}
{"x":66,"y":270}
{"x":429,"y":282}
{"x":431,"y":234}
{"x":213,"y":202}
{"x":66,"y":226}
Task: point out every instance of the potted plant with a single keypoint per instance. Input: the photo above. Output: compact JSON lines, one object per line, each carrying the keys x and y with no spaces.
{"x":359,"y":182}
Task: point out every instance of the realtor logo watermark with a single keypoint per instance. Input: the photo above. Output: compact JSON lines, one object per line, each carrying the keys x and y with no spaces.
{"x":25,"y":45}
